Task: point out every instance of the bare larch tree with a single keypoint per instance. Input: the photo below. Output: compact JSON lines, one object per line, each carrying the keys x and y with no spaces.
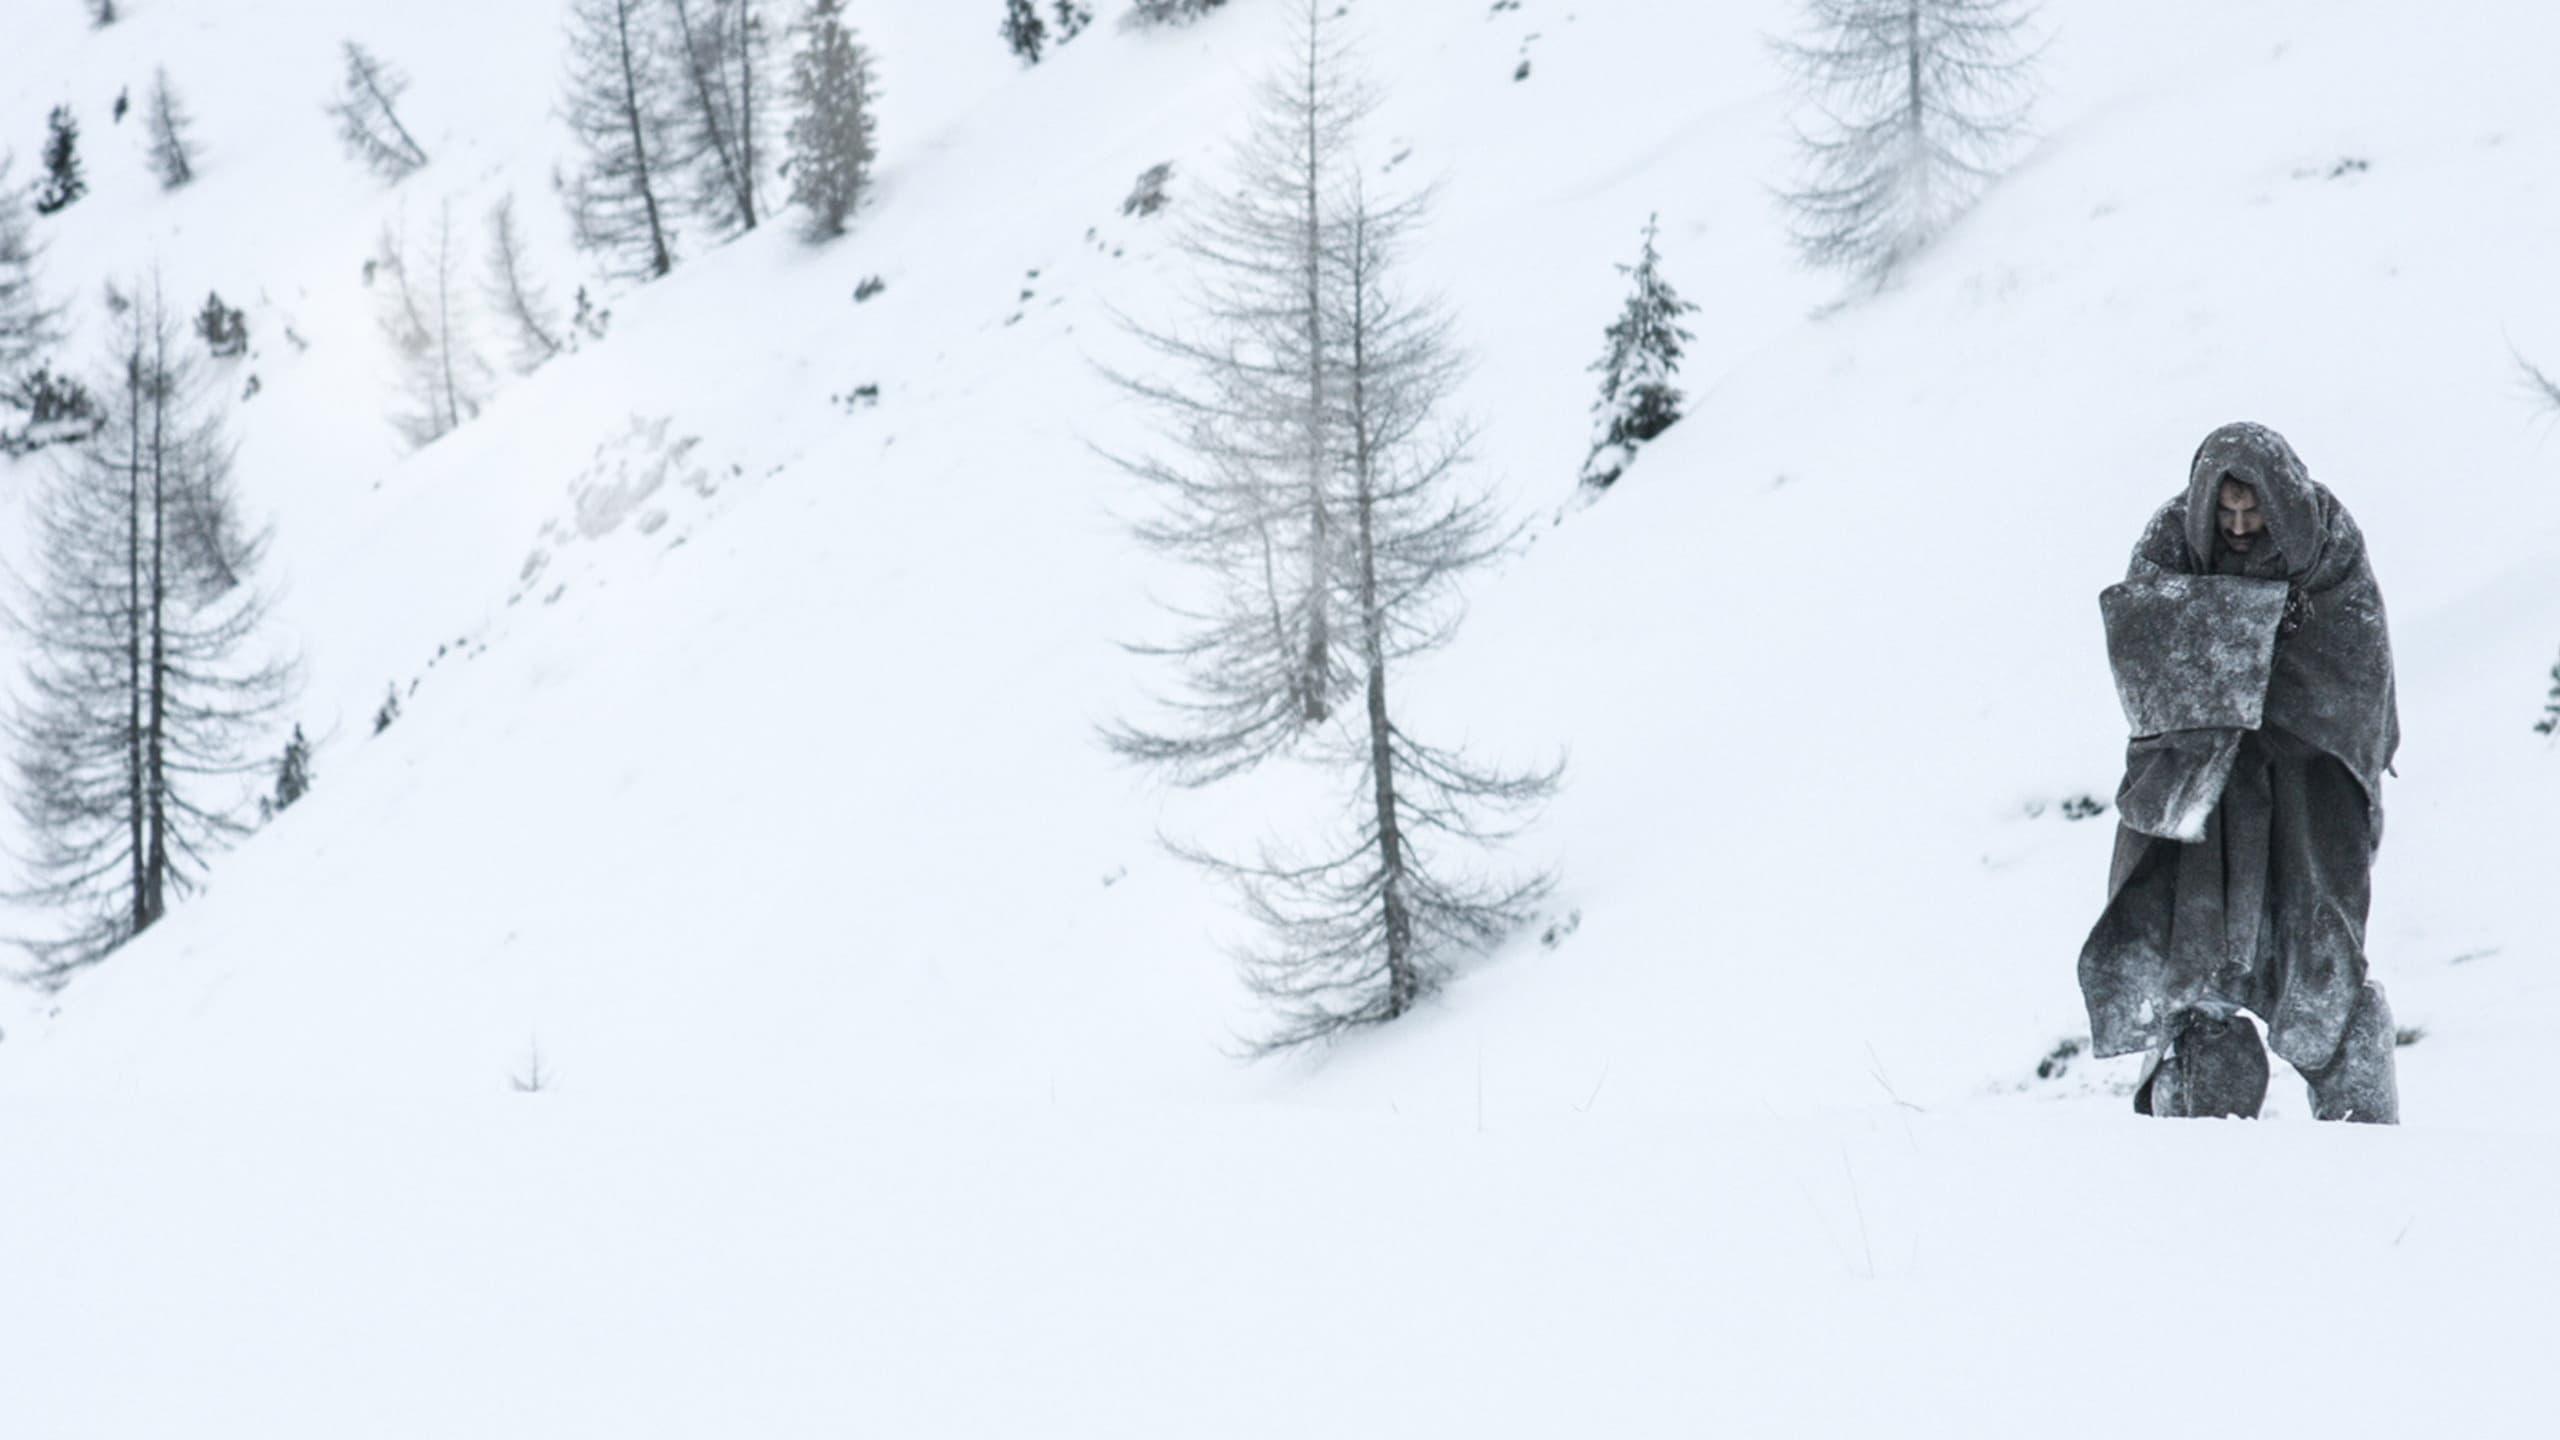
{"x":520,"y":301}
{"x":168,"y":131}
{"x":619,"y":108}
{"x":149,"y":682}
{"x":426,"y":316}
{"x":27,"y":324}
{"x":1244,"y":476}
{"x":369,"y":116}
{"x":722,"y":50}
{"x":1363,"y":931}
{"x":1917,"y":105}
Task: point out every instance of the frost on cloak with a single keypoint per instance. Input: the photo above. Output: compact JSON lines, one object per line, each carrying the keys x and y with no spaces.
{"x":2193,"y":656}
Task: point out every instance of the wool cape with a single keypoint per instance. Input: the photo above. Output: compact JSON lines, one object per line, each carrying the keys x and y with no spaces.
{"x":2259,"y":692}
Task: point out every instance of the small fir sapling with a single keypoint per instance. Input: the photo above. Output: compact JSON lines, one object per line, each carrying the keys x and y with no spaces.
{"x":63,"y":181}
{"x":224,"y":330}
{"x":1071,"y":18}
{"x":1170,"y":12}
{"x":1638,"y":397}
{"x":390,"y":710}
{"x":1025,"y":33}
{"x":831,"y":126}
{"x":2549,"y":724}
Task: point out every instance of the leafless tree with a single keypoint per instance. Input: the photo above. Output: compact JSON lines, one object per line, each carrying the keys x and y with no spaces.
{"x":149,"y":681}
{"x":1243,"y":475}
{"x":1917,"y":105}
{"x":369,"y":117}
{"x":2537,"y":382}
{"x":510,"y":289}
{"x":722,"y":49}
{"x":426,"y":316}
{"x":1365,"y":929}
{"x":168,"y":127}
{"x":27,"y":324}
{"x":619,"y":107}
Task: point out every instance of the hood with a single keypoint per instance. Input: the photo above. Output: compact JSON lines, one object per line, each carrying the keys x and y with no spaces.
{"x":2260,"y":459}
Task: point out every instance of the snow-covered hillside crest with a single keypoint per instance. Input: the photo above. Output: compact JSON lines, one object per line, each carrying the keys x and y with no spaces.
{"x":884,"y":1083}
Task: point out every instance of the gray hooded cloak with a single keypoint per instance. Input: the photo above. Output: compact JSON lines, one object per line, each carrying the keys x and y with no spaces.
{"x":2259,"y":691}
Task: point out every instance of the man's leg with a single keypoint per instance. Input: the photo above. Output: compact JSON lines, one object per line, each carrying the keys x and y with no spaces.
{"x":2362,"y":1081}
{"x":2213,"y":1068}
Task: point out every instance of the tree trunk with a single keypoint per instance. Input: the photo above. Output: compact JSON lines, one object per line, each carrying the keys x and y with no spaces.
{"x":660,"y":262}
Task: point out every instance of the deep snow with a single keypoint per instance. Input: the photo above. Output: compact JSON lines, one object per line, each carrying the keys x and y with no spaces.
{"x":755,"y":787}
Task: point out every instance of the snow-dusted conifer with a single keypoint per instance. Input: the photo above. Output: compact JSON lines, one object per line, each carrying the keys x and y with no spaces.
{"x":368,"y":112}
{"x":1639,"y":396}
{"x":1170,"y":12}
{"x":63,"y":181}
{"x":831,"y":139}
{"x":148,"y":680}
{"x":1024,"y":31}
{"x":224,"y":330}
{"x":1070,"y":18}
{"x":293,"y":774}
{"x":102,"y":13}
{"x":1917,"y":105}
{"x":509,"y":288}
{"x":427,"y":318}
{"x":26,"y":323}
{"x":1361,"y":930}
{"x":2549,"y":724}
{"x":169,"y":130}
{"x":1245,"y":476}
{"x":722,"y":51}
{"x":620,"y":108}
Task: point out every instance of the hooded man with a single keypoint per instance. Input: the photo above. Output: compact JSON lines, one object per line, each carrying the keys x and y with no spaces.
{"x":2254,"y":662}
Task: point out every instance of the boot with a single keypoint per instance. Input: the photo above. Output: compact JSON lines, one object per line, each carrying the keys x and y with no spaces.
{"x":2213,"y":1068}
{"x":2362,"y":1081}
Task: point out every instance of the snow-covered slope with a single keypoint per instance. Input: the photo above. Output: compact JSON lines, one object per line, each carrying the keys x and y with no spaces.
{"x":748,"y":778}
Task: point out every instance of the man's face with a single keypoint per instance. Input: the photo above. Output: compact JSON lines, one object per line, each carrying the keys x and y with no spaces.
{"x":2242,"y":521}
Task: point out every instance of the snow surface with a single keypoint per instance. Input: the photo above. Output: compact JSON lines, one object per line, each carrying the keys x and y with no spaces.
{"x":749,"y":778}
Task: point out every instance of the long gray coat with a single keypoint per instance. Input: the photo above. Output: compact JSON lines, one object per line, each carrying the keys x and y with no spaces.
{"x":2260,"y":695}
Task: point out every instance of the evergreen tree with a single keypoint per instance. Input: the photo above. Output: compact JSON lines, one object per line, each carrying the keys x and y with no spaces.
{"x":173,"y":148}
{"x":1024,"y":31}
{"x":1917,"y":105}
{"x":1171,"y":12}
{"x":369,"y":116}
{"x":293,"y":773}
{"x":389,"y":711}
{"x":1072,"y":17}
{"x":722,"y":50}
{"x":620,"y":108}
{"x":224,"y":330}
{"x":2549,"y":724}
{"x":831,"y":128}
{"x":147,"y":679}
{"x":102,"y":13}
{"x":63,"y":182}
{"x":1638,"y":399}
{"x":26,"y":323}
